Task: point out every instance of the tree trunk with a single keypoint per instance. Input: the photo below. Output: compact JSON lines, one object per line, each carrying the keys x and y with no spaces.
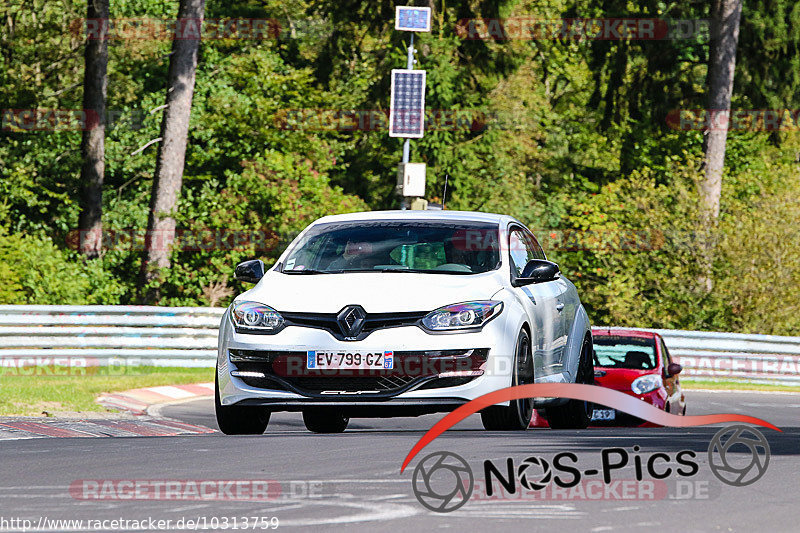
{"x":721,"y":63}
{"x":95,"y":80}
{"x":172,"y":149}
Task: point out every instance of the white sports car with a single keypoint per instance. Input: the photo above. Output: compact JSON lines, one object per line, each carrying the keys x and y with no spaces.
{"x":402,"y":313}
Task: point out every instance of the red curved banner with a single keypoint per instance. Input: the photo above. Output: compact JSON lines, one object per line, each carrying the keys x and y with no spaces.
{"x":588,"y":393}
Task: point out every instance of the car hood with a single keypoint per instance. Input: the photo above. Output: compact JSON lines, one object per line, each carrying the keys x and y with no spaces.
{"x":619,"y":378}
{"x":375,"y":292}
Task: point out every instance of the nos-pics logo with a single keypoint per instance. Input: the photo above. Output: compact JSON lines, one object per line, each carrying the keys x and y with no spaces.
{"x":443,"y":481}
{"x":727,"y":461}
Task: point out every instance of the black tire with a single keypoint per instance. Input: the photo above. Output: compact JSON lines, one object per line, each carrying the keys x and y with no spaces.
{"x":239,"y":420}
{"x":575,"y":414}
{"x":517,"y":415}
{"x":325,"y":421}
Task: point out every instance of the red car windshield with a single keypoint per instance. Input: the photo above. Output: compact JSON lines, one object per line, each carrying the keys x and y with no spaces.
{"x":614,"y":351}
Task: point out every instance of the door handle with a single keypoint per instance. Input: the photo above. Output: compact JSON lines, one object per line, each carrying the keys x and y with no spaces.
{"x":560,"y":306}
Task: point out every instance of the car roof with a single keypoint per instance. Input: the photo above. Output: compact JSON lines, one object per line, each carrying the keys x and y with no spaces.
{"x":599,"y":331}
{"x":408,"y":214}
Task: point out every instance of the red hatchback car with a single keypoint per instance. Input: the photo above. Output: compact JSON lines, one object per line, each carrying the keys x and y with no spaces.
{"x":637,"y":363}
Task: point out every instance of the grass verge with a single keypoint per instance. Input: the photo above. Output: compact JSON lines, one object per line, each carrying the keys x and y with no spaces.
{"x":74,"y":390}
{"x":690,"y":384}
{"x":70,"y":390}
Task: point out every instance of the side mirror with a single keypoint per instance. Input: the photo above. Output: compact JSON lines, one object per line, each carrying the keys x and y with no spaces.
{"x":537,"y":271}
{"x":249,"y":271}
{"x":673,"y":369}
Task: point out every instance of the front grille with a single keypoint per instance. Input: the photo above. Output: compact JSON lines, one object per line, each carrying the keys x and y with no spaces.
{"x":441,"y":383}
{"x":286,"y":370}
{"x":347,"y":384}
{"x":264,"y":383}
{"x":372,"y":322}
{"x":261,"y":356}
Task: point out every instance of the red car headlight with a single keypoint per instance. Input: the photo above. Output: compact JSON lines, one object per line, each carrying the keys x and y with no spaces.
{"x":646,"y":383}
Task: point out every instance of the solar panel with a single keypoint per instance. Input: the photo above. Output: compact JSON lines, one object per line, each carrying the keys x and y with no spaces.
{"x":409,"y":18}
{"x":407,"y":105}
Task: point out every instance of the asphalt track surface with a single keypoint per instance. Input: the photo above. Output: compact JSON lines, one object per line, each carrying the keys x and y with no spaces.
{"x":352,"y":481}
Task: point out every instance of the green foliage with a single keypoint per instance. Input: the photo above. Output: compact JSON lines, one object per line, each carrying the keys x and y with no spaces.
{"x":758,"y":263}
{"x":35,"y":271}
{"x":632,"y":248}
{"x":636,"y":249}
{"x":254,"y":215}
{"x":768,"y":66}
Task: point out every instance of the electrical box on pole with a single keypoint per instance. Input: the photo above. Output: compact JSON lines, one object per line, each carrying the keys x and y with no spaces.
{"x":411,"y":179}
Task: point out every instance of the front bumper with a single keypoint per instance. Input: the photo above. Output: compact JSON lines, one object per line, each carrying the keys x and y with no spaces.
{"x":656,"y":398}
{"x":421,"y":384}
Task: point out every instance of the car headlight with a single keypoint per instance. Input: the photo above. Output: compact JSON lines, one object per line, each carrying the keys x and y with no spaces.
{"x":467,"y":315}
{"x":646,"y":383}
{"x":255,"y":317}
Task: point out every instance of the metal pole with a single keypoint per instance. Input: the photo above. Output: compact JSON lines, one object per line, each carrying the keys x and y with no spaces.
{"x":409,"y":66}
{"x":410,"y":63}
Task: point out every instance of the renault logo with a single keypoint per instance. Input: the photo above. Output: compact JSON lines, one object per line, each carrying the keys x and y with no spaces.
{"x":351,"y":320}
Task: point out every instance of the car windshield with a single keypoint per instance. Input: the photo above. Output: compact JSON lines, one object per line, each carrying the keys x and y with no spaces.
{"x":438,"y":247}
{"x":612,"y":351}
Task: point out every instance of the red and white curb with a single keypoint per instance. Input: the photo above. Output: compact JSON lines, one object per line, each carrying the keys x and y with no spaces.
{"x":139,"y":401}
{"x":143,"y":403}
{"x":34,"y":428}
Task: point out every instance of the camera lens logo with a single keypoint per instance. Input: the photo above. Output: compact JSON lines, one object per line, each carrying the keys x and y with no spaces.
{"x":534,"y":473}
{"x":443,"y":482}
{"x":738,"y":455}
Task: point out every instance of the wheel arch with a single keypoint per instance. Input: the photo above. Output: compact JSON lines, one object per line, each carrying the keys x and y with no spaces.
{"x":581,"y":329}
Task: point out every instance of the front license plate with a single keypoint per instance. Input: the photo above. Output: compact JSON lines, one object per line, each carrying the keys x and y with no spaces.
{"x":324,"y":360}
{"x":604,"y":414}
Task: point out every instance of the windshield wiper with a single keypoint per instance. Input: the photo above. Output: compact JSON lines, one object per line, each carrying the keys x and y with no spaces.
{"x":308,"y":271}
{"x":434,"y":271}
{"x":379,"y":270}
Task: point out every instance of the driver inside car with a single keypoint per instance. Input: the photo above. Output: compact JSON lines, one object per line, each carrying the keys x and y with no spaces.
{"x":357,"y":255}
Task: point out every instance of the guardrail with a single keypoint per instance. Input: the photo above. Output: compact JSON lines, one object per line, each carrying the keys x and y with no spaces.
{"x":109,"y":335}
{"x":187,"y":336}
{"x":734,"y":356}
